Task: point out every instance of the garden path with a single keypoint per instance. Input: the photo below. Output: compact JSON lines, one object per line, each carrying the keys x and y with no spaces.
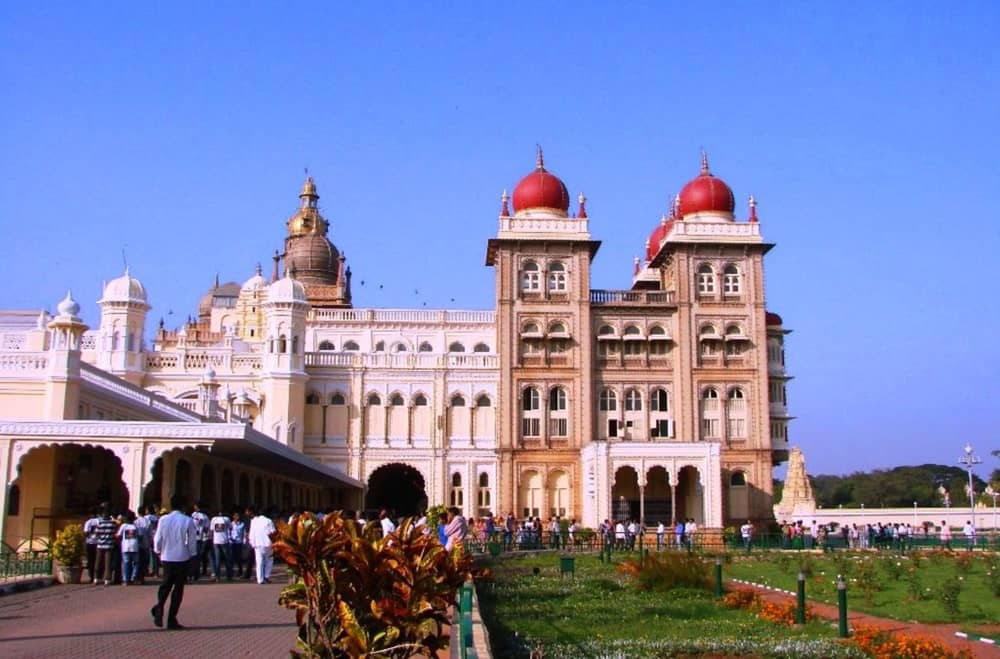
{"x":223,"y":620}
{"x":944,"y":632}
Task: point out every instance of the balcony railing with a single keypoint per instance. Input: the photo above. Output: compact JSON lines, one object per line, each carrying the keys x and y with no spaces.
{"x":601,"y":297}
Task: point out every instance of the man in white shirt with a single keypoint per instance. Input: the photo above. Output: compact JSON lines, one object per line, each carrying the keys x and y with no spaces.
{"x":261,"y":528}
{"x":746,"y":532}
{"x":175,"y":543}
{"x":388,"y":526}
{"x":203,"y":539}
{"x":219,"y":532}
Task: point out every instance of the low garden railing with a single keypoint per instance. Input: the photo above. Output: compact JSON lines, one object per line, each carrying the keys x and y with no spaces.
{"x":14,"y":564}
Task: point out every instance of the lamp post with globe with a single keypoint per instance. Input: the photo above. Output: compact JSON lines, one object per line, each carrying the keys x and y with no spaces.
{"x":993,"y":494}
{"x":970,"y":459}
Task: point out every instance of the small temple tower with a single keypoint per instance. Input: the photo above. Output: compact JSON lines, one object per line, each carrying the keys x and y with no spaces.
{"x":62,"y":390}
{"x":284,"y":376}
{"x":123,"y":320}
{"x":797,"y":496}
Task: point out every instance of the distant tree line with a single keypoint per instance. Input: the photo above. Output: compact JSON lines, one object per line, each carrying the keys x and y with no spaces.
{"x":899,"y":487}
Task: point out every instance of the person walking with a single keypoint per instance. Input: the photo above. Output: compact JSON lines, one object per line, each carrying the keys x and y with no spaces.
{"x":175,"y":542}
{"x":203,"y":539}
{"x":221,"y":556}
{"x":90,"y":536}
{"x":237,"y":536}
{"x":456,"y":529}
{"x":128,"y":536}
{"x":107,"y":528}
{"x":945,"y":534}
{"x":261,"y":528}
{"x":746,"y":532}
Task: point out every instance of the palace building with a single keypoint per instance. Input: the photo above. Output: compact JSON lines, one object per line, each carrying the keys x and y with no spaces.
{"x":659,"y":401}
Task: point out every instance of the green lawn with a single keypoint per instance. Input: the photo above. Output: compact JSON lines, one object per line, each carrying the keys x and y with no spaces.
{"x":911,"y":587}
{"x":598,"y":613}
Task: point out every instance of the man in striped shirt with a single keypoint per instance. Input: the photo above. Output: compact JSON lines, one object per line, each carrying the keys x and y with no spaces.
{"x":106,"y":530}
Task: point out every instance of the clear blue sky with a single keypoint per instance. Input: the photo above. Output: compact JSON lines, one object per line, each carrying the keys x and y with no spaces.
{"x":867,"y":131}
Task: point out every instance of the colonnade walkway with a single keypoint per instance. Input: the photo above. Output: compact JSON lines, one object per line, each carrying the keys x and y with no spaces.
{"x":239,"y":619}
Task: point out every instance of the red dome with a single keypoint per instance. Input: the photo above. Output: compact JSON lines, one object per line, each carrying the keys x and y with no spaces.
{"x":706,"y":194}
{"x":659,"y":232}
{"x":772,"y":318}
{"x":541,"y":189}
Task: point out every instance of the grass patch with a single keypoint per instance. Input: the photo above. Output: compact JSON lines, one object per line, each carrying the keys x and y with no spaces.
{"x":599,"y":613}
{"x":933,"y":587}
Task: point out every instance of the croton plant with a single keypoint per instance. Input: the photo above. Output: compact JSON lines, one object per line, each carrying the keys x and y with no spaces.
{"x":357,"y":594}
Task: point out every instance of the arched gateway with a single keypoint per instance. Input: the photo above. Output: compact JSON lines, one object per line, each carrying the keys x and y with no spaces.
{"x":398,"y":488}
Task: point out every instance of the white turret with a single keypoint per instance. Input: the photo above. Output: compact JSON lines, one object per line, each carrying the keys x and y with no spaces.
{"x":123,"y":320}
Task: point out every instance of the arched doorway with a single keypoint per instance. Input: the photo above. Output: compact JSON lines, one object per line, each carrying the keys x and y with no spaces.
{"x":244,"y":498}
{"x":61,"y":484}
{"x":625,"y":494}
{"x":690,"y":495}
{"x":658,"y":504}
{"x":398,"y":488}
{"x":182,"y":480}
{"x":152,"y":493}
{"x":228,"y":490}
{"x":208,"y":496}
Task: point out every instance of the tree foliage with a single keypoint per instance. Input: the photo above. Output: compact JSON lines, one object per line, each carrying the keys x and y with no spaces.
{"x":895,"y":488}
{"x":358,"y":594}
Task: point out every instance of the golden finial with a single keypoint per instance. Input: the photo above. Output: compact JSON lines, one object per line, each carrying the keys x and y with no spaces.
{"x":753,"y":209}
{"x":704,"y":164}
{"x":539,"y":159}
{"x":504,"y":208}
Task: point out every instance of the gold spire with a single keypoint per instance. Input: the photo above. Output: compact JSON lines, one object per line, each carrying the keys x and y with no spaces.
{"x":539,"y":159}
{"x":704,"y":164}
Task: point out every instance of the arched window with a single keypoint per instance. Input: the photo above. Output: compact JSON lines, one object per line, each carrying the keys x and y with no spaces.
{"x":530,"y":329}
{"x":659,"y":401}
{"x":326,"y":345}
{"x":633,"y":401}
{"x":738,"y":479}
{"x":312,"y":399}
{"x":481,"y":347}
{"x":531,"y":417}
{"x":558,"y":329}
{"x":484,"y":401}
{"x":606,"y":330}
{"x":530,"y":400}
{"x":709,"y":338}
{"x":557,"y":276}
{"x":351,"y":346}
{"x":484,"y":496}
{"x":457,"y":497}
{"x":379,"y":346}
{"x":396,"y":400}
{"x":399,"y":347}
{"x":706,"y":279}
{"x":425,"y":347}
{"x":458,"y":400}
{"x":337,"y":399}
{"x":420,"y":400}
{"x":282,"y":344}
{"x":735,"y":341}
{"x":530,"y":279}
{"x":736,"y":414}
{"x":607,"y":401}
{"x":709,"y":413}
{"x":632,"y":330}
{"x":456,"y":347}
{"x":557,"y":399}
{"x":731,"y":280}
{"x":374,"y":400}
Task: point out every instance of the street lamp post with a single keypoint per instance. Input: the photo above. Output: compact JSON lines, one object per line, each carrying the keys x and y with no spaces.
{"x":970,"y":459}
{"x":914,"y":516}
{"x":993,"y":494}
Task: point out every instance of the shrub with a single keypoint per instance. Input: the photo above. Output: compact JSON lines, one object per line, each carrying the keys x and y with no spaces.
{"x":892,"y":566}
{"x":67,"y":548}
{"x":868,"y":581}
{"x":781,"y":612}
{"x":884,"y":644}
{"x":993,"y":575}
{"x":360,"y":595}
{"x":950,"y":590}
{"x":666,"y":571}
{"x":741,"y":598}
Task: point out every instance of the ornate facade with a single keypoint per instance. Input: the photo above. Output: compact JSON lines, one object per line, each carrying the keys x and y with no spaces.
{"x":664,"y":400}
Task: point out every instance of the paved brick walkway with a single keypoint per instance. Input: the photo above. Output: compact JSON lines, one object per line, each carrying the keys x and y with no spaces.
{"x":223,"y":620}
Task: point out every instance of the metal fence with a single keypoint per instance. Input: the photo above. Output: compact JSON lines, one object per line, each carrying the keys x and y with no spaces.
{"x":14,"y":565}
{"x":837,"y":542}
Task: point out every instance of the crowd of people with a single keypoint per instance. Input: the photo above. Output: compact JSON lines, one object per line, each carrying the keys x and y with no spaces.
{"x":897,"y":535}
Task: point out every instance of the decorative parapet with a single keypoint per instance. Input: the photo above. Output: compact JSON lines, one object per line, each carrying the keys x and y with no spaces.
{"x":625,"y":298}
{"x":24,"y":362}
{"x":400,"y":361}
{"x":572,"y":228}
{"x":109,"y":384}
{"x":416,"y":316}
{"x":713,"y":232}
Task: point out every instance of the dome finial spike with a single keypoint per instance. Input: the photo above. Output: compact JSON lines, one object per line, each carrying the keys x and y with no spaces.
{"x":753,"y":209}
{"x":504,"y":208}
{"x":540,"y":159}
{"x":704,"y":163}
{"x":582,"y":200}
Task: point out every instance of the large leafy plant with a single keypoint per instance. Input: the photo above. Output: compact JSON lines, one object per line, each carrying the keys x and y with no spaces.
{"x":360,"y":595}
{"x":67,"y":548}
